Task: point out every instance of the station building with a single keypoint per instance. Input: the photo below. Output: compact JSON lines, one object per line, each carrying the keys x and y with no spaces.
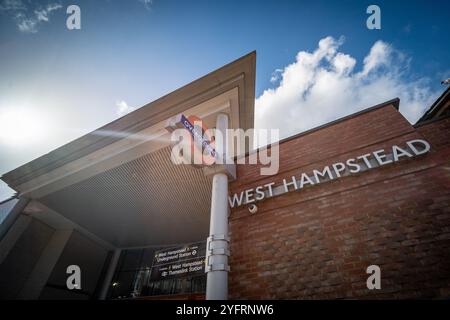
{"x":138,"y":226}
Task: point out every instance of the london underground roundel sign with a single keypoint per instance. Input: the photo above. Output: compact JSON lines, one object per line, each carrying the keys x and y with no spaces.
{"x":202,"y":145}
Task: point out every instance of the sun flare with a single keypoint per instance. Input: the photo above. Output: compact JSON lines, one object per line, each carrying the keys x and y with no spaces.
{"x":20,"y":126}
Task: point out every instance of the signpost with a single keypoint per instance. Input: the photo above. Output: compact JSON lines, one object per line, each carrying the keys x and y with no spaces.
{"x":213,"y":151}
{"x":177,"y":262}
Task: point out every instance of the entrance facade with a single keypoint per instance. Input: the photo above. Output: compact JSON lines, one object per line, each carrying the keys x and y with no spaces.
{"x":139,"y":226}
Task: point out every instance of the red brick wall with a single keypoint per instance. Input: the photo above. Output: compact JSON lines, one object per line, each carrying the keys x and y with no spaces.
{"x":317,"y":243}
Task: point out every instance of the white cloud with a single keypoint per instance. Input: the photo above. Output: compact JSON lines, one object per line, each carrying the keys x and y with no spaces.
{"x":123,"y":108}
{"x":28,"y":19}
{"x":147,"y":3}
{"x":322,"y":86}
{"x":27,"y":25}
{"x":379,"y":56}
{"x":276,"y":75}
{"x":7,"y":5}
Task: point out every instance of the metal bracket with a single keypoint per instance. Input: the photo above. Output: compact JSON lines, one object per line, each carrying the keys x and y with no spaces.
{"x":215,"y":237}
{"x":217,"y":267}
{"x":216,"y":251}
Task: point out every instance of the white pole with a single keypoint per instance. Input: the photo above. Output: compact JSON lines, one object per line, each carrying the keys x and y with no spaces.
{"x":110,"y":274}
{"x":217,"y":244}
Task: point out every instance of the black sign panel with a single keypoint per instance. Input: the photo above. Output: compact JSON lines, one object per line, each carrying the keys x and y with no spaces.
{"x":177,"y":262}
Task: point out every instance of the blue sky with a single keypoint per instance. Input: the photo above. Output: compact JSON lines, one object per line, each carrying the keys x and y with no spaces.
{"x":64,"y":83}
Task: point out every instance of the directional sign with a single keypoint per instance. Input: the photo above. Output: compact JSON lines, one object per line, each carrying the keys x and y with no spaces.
{"x":182,"y":261}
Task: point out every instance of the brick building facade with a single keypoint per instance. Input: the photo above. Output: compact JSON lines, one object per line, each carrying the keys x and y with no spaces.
{"x":318,"y":242}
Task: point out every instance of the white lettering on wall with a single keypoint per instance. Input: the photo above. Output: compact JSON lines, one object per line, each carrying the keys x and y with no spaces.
{"x":364,"y":162}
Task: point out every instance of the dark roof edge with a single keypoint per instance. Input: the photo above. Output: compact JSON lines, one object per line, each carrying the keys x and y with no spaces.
{"x":9,"y":199}
{"x":394,"y":102}
{"x":430,"y":121}
{"x":436,"y":104}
